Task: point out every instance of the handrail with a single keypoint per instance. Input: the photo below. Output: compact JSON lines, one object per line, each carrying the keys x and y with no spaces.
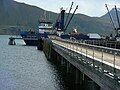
{"x":99,"y":66}
{"x":110,"y":68}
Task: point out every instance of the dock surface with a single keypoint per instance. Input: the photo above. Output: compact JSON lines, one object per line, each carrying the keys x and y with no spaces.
{"x":107,"y":58}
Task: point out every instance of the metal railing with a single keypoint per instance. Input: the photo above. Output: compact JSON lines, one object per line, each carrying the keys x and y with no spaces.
{"x":109,"y":73}
{"x":105,"y":43}
{"x":108,"y":69}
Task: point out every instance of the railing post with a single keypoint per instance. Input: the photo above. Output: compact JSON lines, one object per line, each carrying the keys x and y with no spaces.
{"x":93,"y":57}
{"x":115,"y":77}
{"x":110,"y":45}
{"x":66,"y":44}
{"x":102,"y":62}
{"x":81,"y":51}
{"x":73,"y":47}
{"x":86,"y":52}
{"x":115,"y":45}
{"x":70,"y":48}
{"x":106,"y":44}
{"x":77,"y":49}
{"x":99,"y":43}
{"x":93,"y":42}
{"x":114,"y":62}
{"x":76,"y":46}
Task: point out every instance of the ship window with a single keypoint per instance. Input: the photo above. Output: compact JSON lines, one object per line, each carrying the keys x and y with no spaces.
{"x":119,"y":31}
{"x":46,"y":24}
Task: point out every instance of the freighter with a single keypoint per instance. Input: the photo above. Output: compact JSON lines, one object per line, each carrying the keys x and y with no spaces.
{"x":31,"y":38}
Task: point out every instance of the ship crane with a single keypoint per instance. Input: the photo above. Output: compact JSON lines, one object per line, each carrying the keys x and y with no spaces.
{"x":67,"y":24}
{"x":118,"y":29}
{"x":60,"y":26}
{"x":117,"y":36}
{"x":68,"y":14}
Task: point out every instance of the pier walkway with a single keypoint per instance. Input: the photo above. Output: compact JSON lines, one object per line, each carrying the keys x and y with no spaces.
{"x":99,"y":63}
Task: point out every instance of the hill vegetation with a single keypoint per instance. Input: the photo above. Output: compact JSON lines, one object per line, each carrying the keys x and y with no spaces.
{"x":15,"y":17}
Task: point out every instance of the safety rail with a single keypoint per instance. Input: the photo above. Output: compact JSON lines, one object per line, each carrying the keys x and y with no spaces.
{"x":110,"y":69}
{"x":105,"y":43}
{"x":98,"y":48}
{"x":103,"y":70}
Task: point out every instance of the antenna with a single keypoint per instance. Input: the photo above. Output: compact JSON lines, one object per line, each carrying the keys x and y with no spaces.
{"x":110,"y":17}
{"x":68,"y":14}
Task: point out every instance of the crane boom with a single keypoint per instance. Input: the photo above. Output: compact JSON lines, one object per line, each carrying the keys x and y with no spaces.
{"x":110,"y":17}
{"x":70,"y":18}
{"x":117,"y":16}
{"x":68,"y":14}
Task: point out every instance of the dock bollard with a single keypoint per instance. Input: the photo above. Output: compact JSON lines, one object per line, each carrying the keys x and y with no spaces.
{"x":12,"y":41}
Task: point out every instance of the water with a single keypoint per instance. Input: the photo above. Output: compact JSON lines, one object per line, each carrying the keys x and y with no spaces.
{"x":25,"y":68}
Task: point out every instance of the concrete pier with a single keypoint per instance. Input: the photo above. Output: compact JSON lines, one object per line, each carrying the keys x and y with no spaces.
{"x":80,"y":62}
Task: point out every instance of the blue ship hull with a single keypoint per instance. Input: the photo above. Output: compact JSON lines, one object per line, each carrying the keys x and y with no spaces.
{"x":29,"y":38}
{"x":31,"y":42}
{"x":36,"y":38}
{"x":32,"y":39}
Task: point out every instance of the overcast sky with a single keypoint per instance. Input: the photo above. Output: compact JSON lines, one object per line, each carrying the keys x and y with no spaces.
{"x":94,"y":8}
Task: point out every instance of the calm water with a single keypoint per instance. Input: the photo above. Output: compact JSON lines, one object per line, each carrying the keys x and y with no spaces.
{"x":24,"y":68}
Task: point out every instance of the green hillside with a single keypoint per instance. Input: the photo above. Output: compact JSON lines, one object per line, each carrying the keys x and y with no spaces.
{"x":17,"y":15}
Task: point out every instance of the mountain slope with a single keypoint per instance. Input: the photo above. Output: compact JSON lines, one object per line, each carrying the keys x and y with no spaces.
{"x":89,"y":24}
{"x":20,"y":14}
{"x":113,"y":15}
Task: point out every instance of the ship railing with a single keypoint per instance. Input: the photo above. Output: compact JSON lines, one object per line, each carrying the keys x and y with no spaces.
{"x":42,"y":27}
